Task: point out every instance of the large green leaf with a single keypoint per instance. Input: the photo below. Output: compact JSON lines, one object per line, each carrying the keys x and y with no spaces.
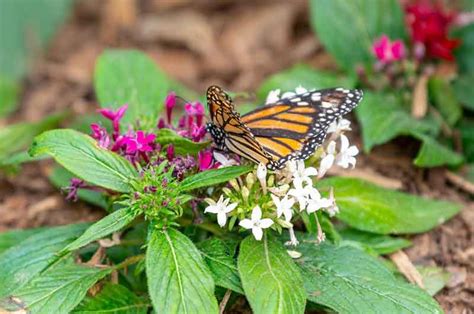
{"x":380,"y":244}
{"x":13,"y":237}
{"x":26,"y":26}
{"x":463,"y":90}
{"x":433,"y":154}
{"x":113,"y":299}
{"x":382,"y":119}
{"x":16,"y":137}
{"x":61,"y":178}
{"x":465,"y":52}
{"x":443,"y":97}
{"x":130,"y":77}
{"x":347,"y":29}
{"x":59,"y":289}
{"x":20,"y":263}
{"x":178,"y":279}
{"x":81,"y":155}
{"x":182,"y":145}
{"x":467,"y":137}
{"x":368,"y":207}
{"x":213,"y":177}
{"x":302,"y":75}
{"x":348,"y":280}
{"x":221,"y":263}
{"x":271,"y":280}
{"x":107,"y":225}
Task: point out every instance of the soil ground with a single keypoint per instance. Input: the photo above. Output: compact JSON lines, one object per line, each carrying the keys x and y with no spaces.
{"x":235,"y":44}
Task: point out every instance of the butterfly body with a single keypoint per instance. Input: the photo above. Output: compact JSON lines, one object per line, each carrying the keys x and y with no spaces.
{"x":290,"y":128}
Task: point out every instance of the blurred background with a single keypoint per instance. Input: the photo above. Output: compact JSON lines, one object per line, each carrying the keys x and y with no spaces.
{"x":48,"y":50}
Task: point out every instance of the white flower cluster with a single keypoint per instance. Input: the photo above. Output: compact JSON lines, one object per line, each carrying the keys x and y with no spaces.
{"x":291,"y":189}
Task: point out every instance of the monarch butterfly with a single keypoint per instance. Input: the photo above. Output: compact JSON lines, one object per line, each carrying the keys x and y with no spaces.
{"x":288,"y":129}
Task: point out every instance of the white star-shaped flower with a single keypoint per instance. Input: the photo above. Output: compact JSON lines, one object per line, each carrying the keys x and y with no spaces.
{"x":221,"y":208}
{"x":273,"y":96}
{"x":339,"y":125}
{"x":223,"y":160}
{"x":332,"y":209}
{"x":256,"y":223}
{"x":316,"y":202}
{"x":303,"y":174}
{"x":328,"y":159}
{"x":346,"y":156}
{"x":283,"y":206}
{"x":302,"y":194}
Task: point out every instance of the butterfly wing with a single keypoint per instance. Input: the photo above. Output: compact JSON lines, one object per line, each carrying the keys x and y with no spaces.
{"x":293,"y":127}
{"x":228,"y":131}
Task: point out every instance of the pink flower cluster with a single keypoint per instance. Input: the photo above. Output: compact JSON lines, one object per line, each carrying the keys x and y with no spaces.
{"x":387,"y":51}
{"x":138,"y":146}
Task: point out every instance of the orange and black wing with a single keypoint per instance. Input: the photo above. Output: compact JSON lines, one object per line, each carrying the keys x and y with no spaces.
{"x":293,"y":127}
{"x":227,"y":130}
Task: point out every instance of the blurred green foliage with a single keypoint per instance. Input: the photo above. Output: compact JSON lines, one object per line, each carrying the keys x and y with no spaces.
{"x":25,"y":28}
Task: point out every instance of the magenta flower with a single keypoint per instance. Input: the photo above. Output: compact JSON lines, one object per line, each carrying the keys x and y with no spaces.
{"x":204,"y":160}
{"x":140,"y":143}
{"x":100,"y":134}
{"x":73,"y":188}
{"x":170,"y":152}
{"x":161,"y":124}
{"x":132,"y":144}
{"x":195,"y":110}
{"x":115,"y":117}
{"x":170,"y":102}
{"x":387,"y":51}
{"x":198,"y":132}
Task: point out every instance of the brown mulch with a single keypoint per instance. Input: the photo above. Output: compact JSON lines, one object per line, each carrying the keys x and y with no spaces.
{"x":235,"y":44}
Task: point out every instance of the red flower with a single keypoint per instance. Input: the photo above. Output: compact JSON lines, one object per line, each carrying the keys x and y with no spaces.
{"x":429,"y":30}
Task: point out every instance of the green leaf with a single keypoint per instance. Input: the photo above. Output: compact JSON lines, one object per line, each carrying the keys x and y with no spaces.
{"x":16,"y":137}
{"x":380,"y":244}
{"x":302,"y":75}
{"x":463,"y":90}
{"x":20,"y":263}
{"x":182,"y":146}
{"x":368,"y":207}
{"x":443,"y":97}
{"x":433,"y":153}
{"x":178,"y":278}
{"x":130,"y":77}
{"x":271,"y":280}
{"x":107,"y":225}
{"x":467,"y":137}
{"x":348,"y":29}
{"x":434,"y":278}
{"x":348,"y":280}
{"x":213,"y":177}
{"x":382,"y":119}
{"x":80,"y":154}
{"x":465,"y":52}
{"x":13,"y":237}
{"x":9,"y":93}
{"x":113,"y":299}
{"x":25,"y":27}
{"x":59,"y":289}
{"x":61,"y":178}
{"x":221,"y":263}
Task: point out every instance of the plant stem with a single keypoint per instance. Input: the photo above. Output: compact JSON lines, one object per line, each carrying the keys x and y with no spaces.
{"x":129,"y":261}
{"x":224,"y":301}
